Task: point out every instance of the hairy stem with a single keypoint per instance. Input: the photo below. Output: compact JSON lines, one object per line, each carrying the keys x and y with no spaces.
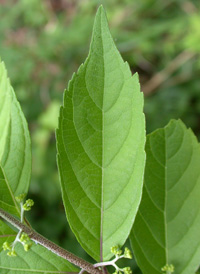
{"x":61,"y":252}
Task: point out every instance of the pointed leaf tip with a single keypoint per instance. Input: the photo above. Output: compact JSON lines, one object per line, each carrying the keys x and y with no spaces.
{"x":100,"y":18}
{"x":101,"y":9}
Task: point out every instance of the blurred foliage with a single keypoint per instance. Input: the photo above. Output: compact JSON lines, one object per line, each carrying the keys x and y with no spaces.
{"x":44,"y":42}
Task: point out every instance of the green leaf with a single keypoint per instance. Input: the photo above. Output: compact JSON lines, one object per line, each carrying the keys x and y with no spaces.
{"x":8,"y":203}
{"x":7,"y":200}
{"x":100,"y":144}
{"x":38,"y":260}
{"x":15,"y":148}
{"x":167,"y":226}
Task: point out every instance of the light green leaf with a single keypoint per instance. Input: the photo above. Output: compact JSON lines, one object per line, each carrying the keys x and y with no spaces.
{"x":15,"y":151}
{"x":167,"y":226}
{"x":7,"y":200}
{"x":100,"y":144}
{"x":15,"y":148}
{"x":8,"y":203}
{"x":38,"y":260}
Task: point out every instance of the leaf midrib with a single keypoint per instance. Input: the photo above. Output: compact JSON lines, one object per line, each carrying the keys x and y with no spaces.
{"x":165,"y":203}
{"x":102,"y":177}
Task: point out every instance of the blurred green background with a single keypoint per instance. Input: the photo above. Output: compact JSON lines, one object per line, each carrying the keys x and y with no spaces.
{"x":44,"y":42}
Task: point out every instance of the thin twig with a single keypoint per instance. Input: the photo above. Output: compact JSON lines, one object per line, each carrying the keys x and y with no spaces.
{"x":61,"y":252}
{"x":164,"y":74}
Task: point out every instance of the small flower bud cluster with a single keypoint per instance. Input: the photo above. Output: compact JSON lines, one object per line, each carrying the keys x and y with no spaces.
{"x":127,"y":253}
{"x":26,"y":241}
{"x":11,"y":252}
{"x":168,"y":268}
{"x":28,"y":204}
{"x":117,"y":251}
{"x":6,"y":246}
{"x":127,"y":270}
{"x":21,"y":237}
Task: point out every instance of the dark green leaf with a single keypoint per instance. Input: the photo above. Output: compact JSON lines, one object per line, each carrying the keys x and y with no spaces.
{"x":167,"y":226}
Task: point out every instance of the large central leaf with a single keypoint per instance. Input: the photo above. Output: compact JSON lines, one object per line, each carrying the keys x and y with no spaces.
{"x":100,"y":144}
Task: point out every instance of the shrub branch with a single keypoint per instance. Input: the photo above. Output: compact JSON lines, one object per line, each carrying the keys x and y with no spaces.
{"x":61,"y":252}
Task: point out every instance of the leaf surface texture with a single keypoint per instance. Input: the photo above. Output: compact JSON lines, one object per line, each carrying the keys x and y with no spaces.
{"x":167,"y":226}
{"x":100,"y":144}
{"x":38,"y":260}
{"x":15,"y":148}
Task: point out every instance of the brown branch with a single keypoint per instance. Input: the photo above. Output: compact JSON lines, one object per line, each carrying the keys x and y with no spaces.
{"x":61,"y":252}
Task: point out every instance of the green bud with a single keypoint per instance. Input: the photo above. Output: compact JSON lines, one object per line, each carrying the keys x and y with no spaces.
{"x":6,"y":246}
{"x":168,"y":267}
{"x":12,"y":253}
{"x":127,"y":253}
{"x":27,"y":247}
{"x":26,"y":241}
{"x":127,"y":270}
{"x":116,"y":250}
{"x":24,"y":238}
{"x":28,"y":204}
{"x":20,"y":198}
